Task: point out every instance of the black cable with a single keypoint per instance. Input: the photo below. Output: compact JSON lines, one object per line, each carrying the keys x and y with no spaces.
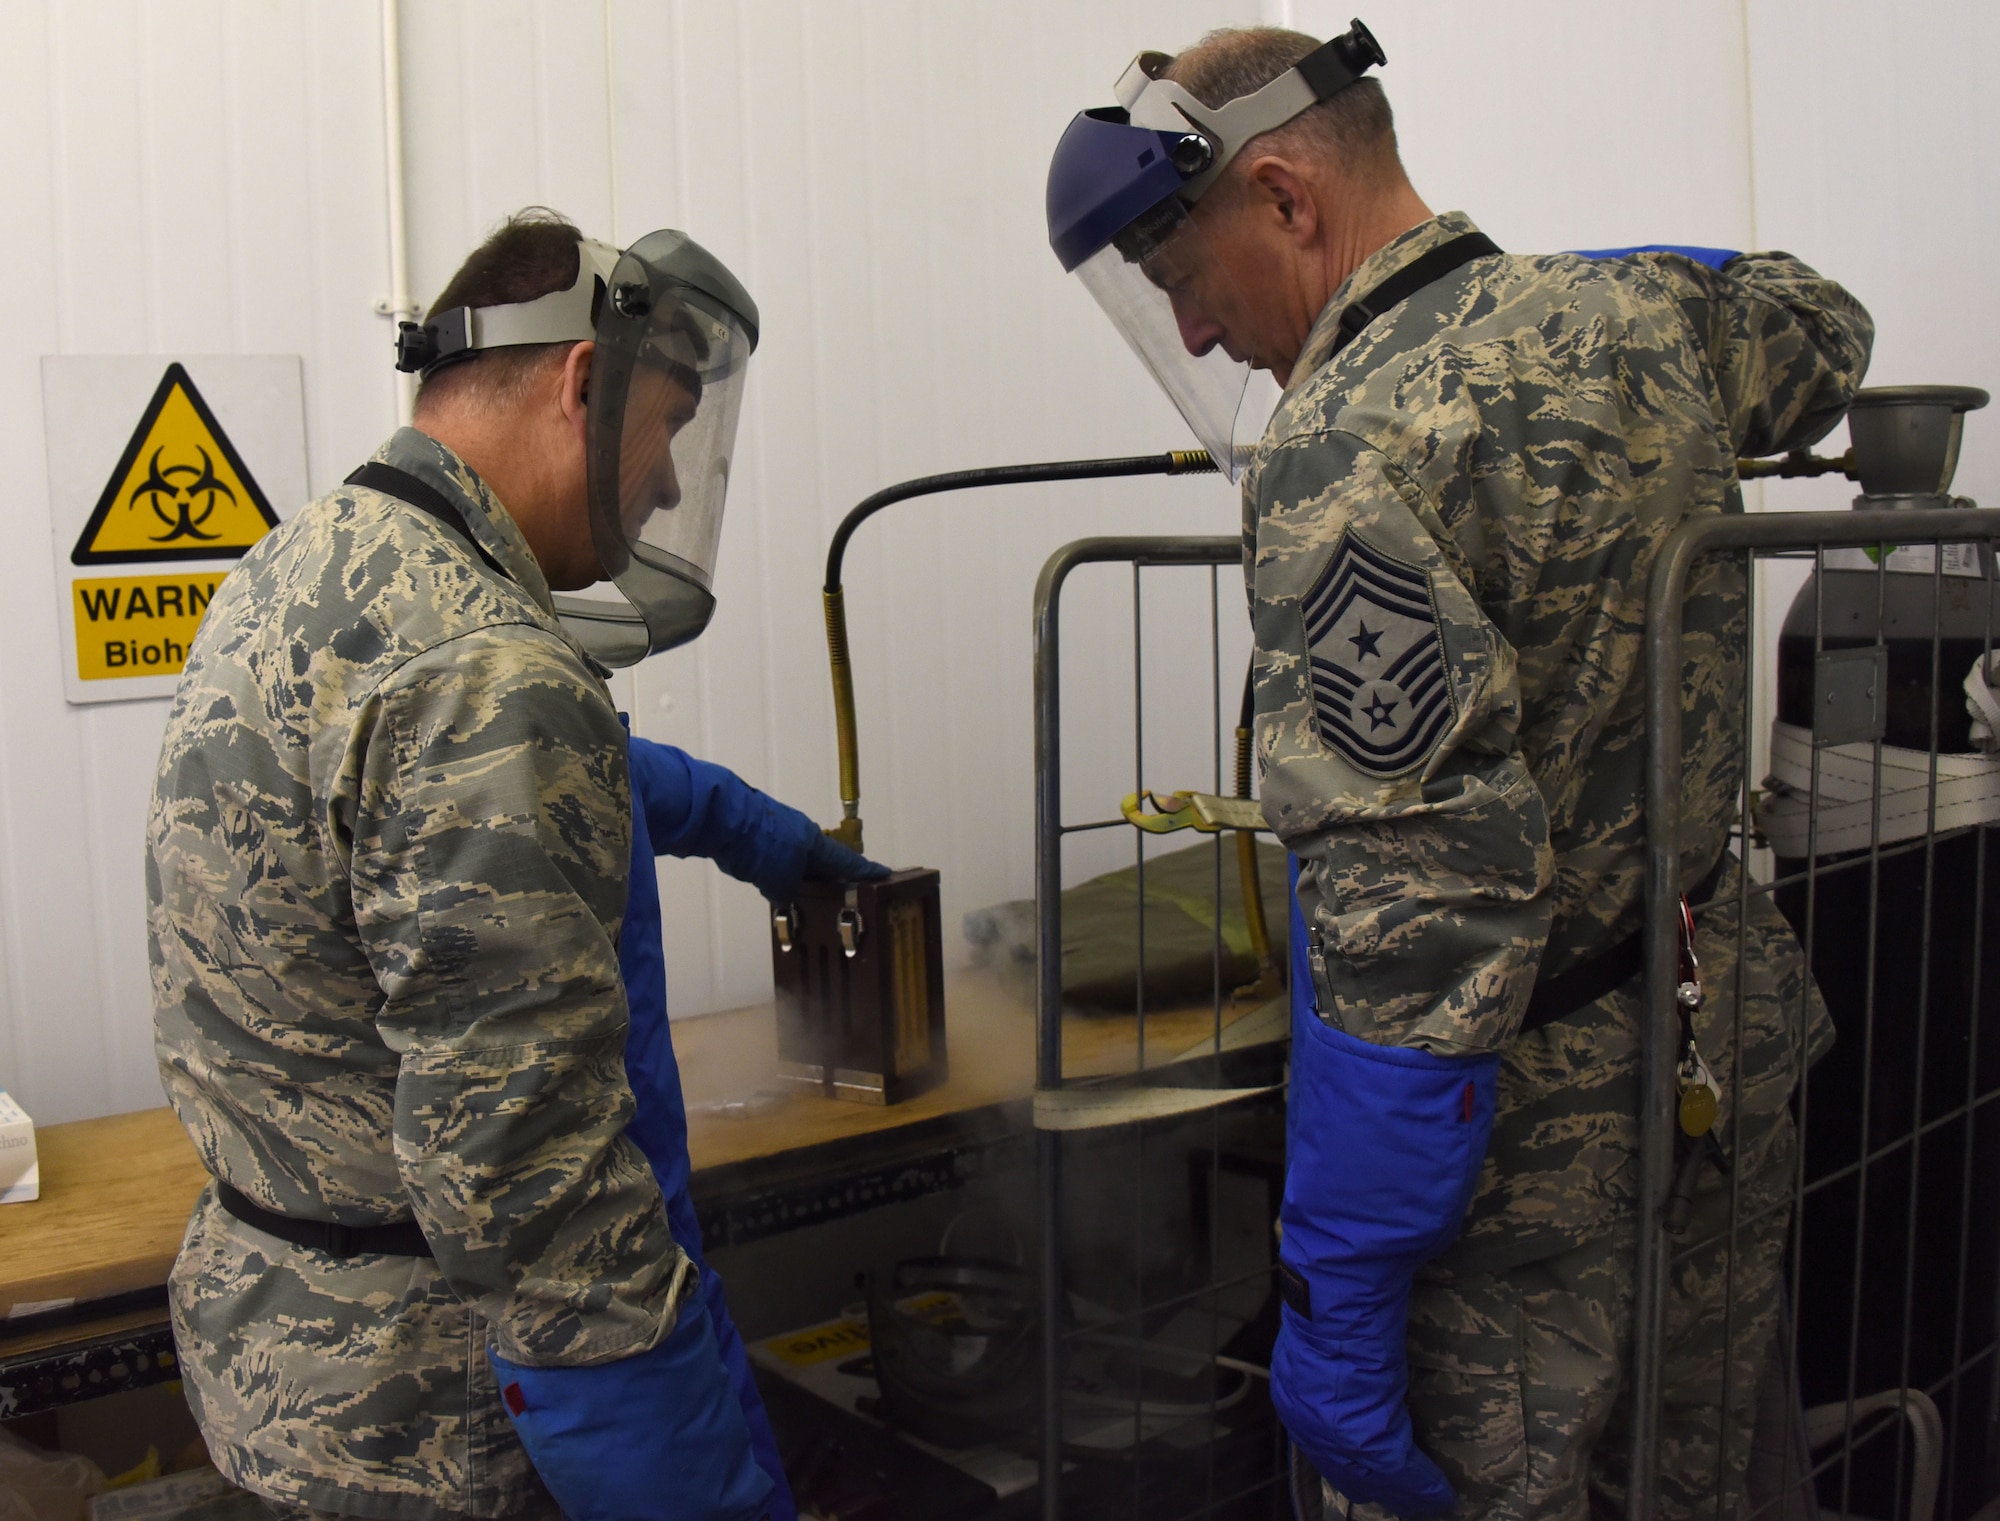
{"x":1173,"y":462}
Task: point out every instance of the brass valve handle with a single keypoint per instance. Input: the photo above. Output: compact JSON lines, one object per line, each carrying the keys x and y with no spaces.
{"x":1798,"y":462}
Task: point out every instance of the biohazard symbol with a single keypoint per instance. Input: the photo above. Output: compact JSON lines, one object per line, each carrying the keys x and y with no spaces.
{"x":179,"y":492}
{"x":182,"y":505}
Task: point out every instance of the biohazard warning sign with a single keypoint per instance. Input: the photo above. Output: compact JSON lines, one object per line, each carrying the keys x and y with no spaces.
{"x":138,"y":625}
{"x":179,"y":492}
{"x":162,"y":473}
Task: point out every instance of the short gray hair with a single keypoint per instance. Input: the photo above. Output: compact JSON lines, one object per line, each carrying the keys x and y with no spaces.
{"x":1355,"y":127}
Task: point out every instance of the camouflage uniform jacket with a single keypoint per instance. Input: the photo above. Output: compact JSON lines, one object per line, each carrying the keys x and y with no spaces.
{"x":388,"y":850}
{"x":1449,"y":526}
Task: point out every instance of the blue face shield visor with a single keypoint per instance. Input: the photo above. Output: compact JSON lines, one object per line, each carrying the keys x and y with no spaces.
{"x":1122,"y":189}
{"x":1118,"y":223}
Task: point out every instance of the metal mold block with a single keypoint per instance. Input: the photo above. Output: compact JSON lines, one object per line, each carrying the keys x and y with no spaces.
{"x":859,"y":974}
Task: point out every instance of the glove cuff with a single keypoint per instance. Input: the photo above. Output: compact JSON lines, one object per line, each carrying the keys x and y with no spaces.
{"x":1385,"y":1144}
{"x":603,"y":1437}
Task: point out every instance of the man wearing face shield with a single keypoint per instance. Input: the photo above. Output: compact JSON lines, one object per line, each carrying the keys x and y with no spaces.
{"x":1448,"y":527}
{"x":448,"y":1266}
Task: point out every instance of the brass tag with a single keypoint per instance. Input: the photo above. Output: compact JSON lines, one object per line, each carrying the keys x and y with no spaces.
{"x":1698,"y":1110}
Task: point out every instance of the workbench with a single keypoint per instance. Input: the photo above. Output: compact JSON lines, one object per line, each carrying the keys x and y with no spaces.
{"x":83,"y":1269}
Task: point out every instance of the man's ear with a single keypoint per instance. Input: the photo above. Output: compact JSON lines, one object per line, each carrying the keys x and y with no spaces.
{"x":574,"y":395}
{"x":1285,"y":197}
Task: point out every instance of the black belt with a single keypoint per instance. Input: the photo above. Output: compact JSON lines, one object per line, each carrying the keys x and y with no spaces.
{"x":1581,"y":986}
{"x":402,"y":1239}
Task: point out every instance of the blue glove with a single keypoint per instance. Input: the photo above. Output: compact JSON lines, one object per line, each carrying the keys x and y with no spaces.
{"x":655,"y":1437}
{"x":1714,"y":258}
{"x":1384,"y":1145}
{"x":827,"y":860}
{"x":694,"y":808}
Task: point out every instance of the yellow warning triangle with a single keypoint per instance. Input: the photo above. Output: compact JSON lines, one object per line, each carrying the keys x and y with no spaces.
{"x":179,"y":492}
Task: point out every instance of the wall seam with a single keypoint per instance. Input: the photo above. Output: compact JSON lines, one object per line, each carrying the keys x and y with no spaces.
{"x":616,"y":231}
{"x":1749,"y":118}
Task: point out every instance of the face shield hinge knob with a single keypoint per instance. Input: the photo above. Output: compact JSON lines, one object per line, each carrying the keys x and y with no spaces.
{"x":631,"y":299}
{"x":1192,"y":154}
{"x":416,"y":346}
{"x":1358,"y":48}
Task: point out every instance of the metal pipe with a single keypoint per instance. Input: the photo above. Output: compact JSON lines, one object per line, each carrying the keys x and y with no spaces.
{"x":1267,"y":982}
{"x":1799,"y":462}
{"x":1666,"y":592}
{"x":849,"y":830}
{"x":1173,"y":462}
{"x":1048,"y":1183}
{"x":399,"y":306}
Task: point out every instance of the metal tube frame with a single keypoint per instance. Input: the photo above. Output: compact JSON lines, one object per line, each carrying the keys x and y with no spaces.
{"x":1747,"y":534}
{"x":1140,"y":552}
{"x":1688,"y":545}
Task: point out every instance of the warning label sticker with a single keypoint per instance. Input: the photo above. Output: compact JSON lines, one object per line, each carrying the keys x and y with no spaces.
{"x":145,"y":521}
{"x":138,"y":625}
{"x":815,"y":1344}
{"x":180,"y":491}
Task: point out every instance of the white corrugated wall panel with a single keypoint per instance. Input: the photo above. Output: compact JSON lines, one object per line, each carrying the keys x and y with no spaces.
{"x":843,"y":159}
{"x":208,"y":175}
{"x":1875,"y":164}
{"x":192,"y":178}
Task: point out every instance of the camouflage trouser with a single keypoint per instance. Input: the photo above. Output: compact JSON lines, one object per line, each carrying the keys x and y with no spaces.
{"x":1520,"y":1379}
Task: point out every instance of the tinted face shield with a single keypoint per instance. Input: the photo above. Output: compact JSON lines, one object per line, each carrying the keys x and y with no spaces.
{"x":674,"y":337}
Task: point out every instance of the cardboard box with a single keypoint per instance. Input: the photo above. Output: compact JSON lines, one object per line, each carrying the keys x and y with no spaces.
{"x":20,"y":1174}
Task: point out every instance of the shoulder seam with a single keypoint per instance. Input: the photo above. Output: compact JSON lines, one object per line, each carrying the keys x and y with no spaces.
{"x":1400,"y":479}
{"x":389,"y":676}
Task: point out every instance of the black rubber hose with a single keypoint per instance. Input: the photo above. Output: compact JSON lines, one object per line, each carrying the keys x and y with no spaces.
{"x":1173,"y":462}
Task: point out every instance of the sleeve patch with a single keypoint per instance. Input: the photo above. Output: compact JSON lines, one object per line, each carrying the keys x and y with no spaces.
{"x":1381,"y":696}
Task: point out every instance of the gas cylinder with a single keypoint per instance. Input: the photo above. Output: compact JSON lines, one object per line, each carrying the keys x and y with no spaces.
{"x":1898,"y":1260}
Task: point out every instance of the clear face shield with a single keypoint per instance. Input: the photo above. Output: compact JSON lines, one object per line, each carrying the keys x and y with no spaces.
{"x":1172,"y":301}
{"x":1123,"y":188}
{"x":674,"y":337}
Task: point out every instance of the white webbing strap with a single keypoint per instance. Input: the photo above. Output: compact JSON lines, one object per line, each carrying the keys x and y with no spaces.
{"x":1983,"y":703}
{"x":1968,"y":793}
{"x":1092,"y":1108}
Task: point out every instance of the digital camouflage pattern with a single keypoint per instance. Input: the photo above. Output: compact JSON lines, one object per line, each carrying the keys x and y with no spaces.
{"x":388,"y":849}
{"x":1518,"y":1380}
{"x":1525,"y":433}
{"x":1518,"y":439}
{"x":1518,"y":1383}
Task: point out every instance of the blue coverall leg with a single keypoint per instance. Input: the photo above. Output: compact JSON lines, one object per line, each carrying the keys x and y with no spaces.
{"x":677,"y":804}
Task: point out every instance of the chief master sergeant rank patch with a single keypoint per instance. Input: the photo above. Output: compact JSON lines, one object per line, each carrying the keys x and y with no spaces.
{"x":1380,"y":695}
